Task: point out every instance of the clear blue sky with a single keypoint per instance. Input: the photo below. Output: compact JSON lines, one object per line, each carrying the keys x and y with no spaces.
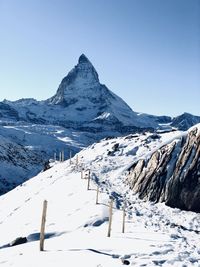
{"x":146,"y":51}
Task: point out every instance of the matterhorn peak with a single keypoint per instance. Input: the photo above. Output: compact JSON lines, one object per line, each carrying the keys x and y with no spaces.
{"x":85,"y":68}
{"x":88,"y":102}
{"x":79,"y":82}
{"x":83,"y":59}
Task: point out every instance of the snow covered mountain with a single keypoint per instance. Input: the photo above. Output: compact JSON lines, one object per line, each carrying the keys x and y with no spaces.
{"x":76,"y":227}
{"x":131,"y":169}
{"x":82,"y":103}
{"x":185,"y":121}
{"x":81,"y":112}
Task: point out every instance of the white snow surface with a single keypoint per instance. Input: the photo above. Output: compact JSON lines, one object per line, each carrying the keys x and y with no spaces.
{"x":155,"y":235}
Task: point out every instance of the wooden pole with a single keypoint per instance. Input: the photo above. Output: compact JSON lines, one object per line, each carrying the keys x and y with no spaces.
{"x":63,"y":156}
{"x":97,"y":195}
{"x":123,"y":220}
{"x":70,"y":157}
{"x":77,"y":160}
{"x":60,"y":156}
{"x":110,"y":218}
{"x":42,"y":231}
{"x":88,"y":185}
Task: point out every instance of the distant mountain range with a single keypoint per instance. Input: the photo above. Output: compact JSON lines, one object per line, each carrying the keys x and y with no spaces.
{"x":81,"y":112}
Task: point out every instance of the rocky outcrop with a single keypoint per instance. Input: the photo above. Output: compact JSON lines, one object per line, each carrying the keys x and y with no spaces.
{"x":171,"y":174}
{"x":18,"y":163}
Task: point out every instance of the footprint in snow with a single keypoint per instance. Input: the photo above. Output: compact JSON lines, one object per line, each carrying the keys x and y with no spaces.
{"x":159,"y":262}
{"x":162,"y":252}
{"x":77,"y":210}
{"x":51,"y":224}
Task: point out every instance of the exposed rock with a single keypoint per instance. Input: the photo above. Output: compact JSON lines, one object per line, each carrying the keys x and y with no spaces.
{"x":125,"y":262}
{"x":171,"y":174}
{"x":47,"y":166}
{"x":18,"y":241}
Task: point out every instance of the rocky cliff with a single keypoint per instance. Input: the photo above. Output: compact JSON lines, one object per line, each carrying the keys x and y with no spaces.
{"x":171,"y":174}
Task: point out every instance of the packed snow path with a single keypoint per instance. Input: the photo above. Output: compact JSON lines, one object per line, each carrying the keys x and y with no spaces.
{"x":76,"y":227}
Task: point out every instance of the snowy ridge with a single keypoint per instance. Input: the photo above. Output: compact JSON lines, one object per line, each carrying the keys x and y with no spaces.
{"x":155,"y":235}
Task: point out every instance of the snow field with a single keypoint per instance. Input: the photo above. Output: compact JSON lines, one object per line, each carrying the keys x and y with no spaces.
{"x":76,"y":228}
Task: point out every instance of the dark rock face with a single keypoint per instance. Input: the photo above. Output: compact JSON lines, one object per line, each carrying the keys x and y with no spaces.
{"x":8,"y":112}
{"x":171,"y":174}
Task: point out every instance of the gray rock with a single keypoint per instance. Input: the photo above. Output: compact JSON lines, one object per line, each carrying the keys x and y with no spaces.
{"x":171,"y":174}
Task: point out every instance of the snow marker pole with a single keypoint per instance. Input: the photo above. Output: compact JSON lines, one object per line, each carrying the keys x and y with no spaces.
{"x":88,"y":185}
{"x":110,"y":218}
{"x":123,"y":220}
{"x":97,"y":195}
{"x":70,"y":157}
{"x":76,"y":160}
{"x":42,"y":231}
{"x":81,"y":173}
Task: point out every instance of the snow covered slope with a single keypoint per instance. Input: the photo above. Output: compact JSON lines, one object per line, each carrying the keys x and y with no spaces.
{"x":76,"y":227}
{"x":25,"y":148}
